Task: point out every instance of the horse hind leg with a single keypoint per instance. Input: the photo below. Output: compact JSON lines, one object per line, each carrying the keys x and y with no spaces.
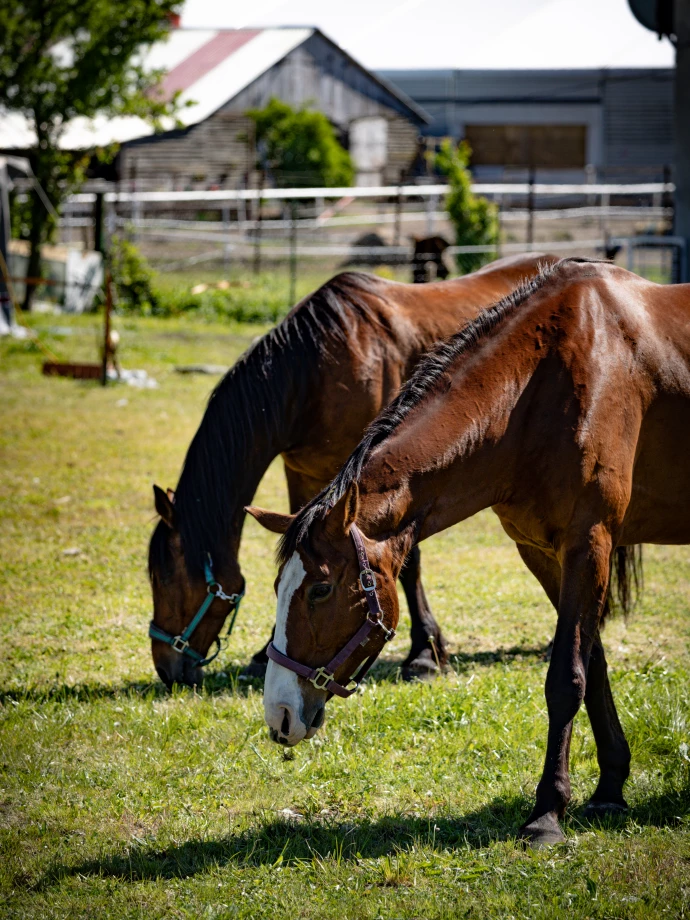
{"x":428,"y":654}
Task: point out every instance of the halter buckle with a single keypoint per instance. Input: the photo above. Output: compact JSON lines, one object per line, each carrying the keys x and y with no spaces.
{"x":179,"y":644}
{"x":321,"y":675}
{"x":369,"y":576}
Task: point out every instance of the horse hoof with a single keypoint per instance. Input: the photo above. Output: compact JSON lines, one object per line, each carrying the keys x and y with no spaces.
{"x":542,"y":832}
{"x":422,"y":668}
{"x":597,"y":809}
{"x":255,"y":669}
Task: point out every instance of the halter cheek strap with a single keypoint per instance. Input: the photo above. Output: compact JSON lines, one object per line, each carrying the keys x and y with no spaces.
{"x":181,"y":642}
{"x":324,"y":678}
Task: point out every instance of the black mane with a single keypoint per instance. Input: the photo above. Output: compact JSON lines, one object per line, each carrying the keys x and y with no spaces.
{"x":425,"y":376}
{"x":253,"y":405}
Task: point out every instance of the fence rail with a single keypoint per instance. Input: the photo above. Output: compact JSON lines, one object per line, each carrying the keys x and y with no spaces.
{"x":493,"y":189}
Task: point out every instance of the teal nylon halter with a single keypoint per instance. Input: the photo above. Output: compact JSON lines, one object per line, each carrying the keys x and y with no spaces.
{"x":181,"y":643}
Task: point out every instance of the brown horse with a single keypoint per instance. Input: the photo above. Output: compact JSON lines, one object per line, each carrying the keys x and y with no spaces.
{"x":306,"y":390}
{"x":565,"y":408}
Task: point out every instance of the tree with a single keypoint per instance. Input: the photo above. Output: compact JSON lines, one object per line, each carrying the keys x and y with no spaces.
{"x":475,"y":219}
{"x":299,"y":147}
{"x":62,"y":59}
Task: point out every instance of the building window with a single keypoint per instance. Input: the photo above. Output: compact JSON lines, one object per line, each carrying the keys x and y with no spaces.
{"x":543,"y":146}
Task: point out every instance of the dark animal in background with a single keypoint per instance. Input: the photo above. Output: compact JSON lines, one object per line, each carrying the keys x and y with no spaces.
{"x":427,"y":259}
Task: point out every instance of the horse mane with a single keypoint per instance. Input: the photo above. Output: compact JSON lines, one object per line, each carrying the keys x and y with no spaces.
{"x":254,"y":403}
{"x":430,"y":369}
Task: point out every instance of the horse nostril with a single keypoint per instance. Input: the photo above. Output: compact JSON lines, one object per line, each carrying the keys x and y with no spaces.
{"x":285,"y":724}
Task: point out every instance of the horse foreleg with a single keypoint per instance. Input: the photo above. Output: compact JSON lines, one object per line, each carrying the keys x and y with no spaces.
{"x":613,"y":751}
{"x":428,"y":653}
{"x":584,"y":583}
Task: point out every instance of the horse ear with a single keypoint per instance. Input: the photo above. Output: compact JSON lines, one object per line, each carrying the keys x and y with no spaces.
{"x":344,"y":513}
{"x":164,"y":506}
{"x":271,"y":520}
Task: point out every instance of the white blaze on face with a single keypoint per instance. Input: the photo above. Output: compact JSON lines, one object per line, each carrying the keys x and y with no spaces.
{"x":281,"y":688}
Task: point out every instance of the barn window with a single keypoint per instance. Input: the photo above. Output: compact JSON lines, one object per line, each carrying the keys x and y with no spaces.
{"x":546,"y":146}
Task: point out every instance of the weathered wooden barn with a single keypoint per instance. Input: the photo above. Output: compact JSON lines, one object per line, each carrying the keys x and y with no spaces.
{"x":225,"y":73}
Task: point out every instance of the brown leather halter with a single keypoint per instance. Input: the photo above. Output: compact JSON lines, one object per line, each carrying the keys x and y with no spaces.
{"x":324,"y":678}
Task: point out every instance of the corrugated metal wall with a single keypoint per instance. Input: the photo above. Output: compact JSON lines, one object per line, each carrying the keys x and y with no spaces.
{"x":628,"y":113}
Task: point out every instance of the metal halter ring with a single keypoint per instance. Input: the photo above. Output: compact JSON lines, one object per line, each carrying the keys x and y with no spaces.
{"x":322,"y":679}
{"x":370,"y":577}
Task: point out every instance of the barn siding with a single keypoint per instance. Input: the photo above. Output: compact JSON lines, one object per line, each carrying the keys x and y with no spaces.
{"x":316,"y":73}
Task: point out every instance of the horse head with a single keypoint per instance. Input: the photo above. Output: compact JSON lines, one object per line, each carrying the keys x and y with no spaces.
{"x":327,"y":599}
{"x":189,"y":607}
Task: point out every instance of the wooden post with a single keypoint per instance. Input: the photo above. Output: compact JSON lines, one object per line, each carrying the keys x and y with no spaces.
{"x":98,"y":244}
{"x":530,"y":209}
{"x":398,"y":212}
{"x":106,"y":324}
{"x":257,"y":230}
{"x":293,"y":254}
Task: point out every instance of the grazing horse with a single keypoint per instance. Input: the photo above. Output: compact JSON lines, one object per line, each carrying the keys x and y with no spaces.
{"x":306,"y":391}
{"x":566,"y":409}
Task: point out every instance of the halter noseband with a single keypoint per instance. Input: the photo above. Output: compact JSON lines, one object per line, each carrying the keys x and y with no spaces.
{"x":181,"y":643}
{"x":324,"y":678}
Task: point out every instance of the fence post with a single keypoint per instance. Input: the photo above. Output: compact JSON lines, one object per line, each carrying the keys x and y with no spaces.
{"x":293,"y":254}
{"x":106,"y":324}
{"x":257,"y":227}
{"x":398,"y":213}
{"x":530,"y":209}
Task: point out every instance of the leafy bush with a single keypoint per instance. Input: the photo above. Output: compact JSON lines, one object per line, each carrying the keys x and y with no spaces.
{"x":299,"y":147}
{"x":475,"y":219}
{"x":133,"y":279}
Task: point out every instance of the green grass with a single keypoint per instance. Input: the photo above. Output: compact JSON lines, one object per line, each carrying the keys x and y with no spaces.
{"x":119,"y":800}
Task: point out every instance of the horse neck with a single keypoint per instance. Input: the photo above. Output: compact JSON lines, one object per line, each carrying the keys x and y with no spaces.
{"x":451,"y":457}
{"x":247,"y":424}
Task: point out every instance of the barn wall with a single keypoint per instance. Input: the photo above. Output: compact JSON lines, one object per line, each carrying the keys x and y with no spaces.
{"x":215,"y":152}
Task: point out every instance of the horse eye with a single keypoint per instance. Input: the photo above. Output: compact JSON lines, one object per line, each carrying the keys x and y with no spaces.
{"x":320,"y":592}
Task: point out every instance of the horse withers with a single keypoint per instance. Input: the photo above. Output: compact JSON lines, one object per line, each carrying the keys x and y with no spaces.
{"x":566,"y":409}
{"x":306,"y":391}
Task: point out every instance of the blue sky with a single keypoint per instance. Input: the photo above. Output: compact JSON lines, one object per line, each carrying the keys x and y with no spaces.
{"x":458,"y":33}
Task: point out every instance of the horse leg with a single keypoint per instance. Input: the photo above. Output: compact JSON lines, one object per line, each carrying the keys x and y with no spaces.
{"x":428,"y":653}
{"x":584,"y":583}
{"x":613,"y":752}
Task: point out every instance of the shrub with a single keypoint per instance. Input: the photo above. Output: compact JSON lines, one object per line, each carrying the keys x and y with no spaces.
{"x":133,"y":279}
{"x":475,"y":219}
{"x":299,"y":147}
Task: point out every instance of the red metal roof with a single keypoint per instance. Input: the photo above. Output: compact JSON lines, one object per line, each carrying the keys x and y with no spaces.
{"x":204,"y":59}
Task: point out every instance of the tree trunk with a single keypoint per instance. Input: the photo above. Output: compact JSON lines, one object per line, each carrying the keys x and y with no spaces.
{"x":33,"y":270}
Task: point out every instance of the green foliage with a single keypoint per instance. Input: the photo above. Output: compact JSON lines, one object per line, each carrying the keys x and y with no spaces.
{"x":67,"y":59}
{"x":133,"y":279}
{"x":475,"y":219}
{"x":299,"y":147}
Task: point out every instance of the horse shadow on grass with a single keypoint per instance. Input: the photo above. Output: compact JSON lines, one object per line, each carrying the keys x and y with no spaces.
{"x":284,"y":841}
{"x":232,"y":681}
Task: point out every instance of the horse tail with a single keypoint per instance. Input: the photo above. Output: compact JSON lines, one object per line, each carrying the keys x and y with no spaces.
{"x":627,"y":580}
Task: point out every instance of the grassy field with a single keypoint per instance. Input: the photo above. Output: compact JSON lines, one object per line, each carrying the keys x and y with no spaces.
{"x":119,"y":800}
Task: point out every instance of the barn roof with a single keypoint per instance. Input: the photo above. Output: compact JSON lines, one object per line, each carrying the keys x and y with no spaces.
{"x":208,"y":67}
